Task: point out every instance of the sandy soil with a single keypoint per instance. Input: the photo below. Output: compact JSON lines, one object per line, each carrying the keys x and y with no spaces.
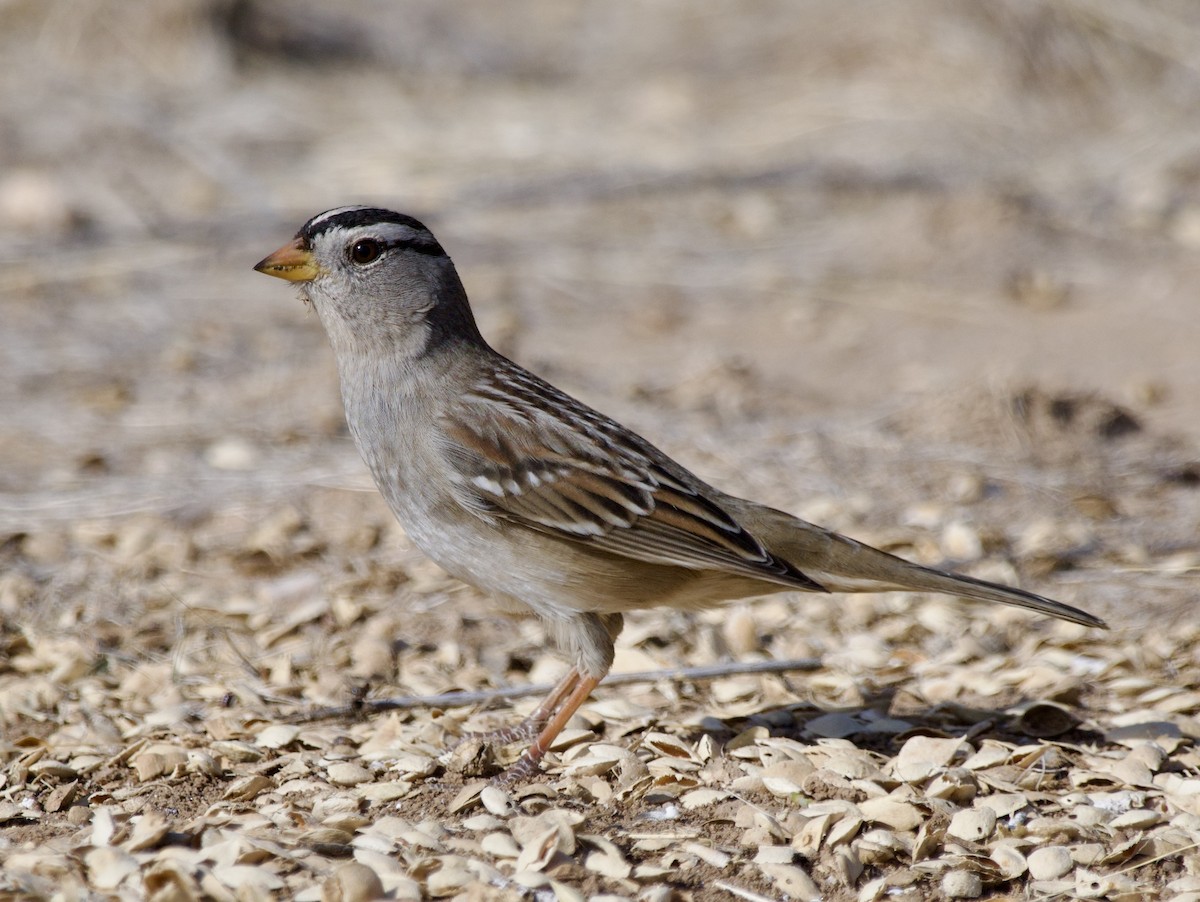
{"x":922,"y":272}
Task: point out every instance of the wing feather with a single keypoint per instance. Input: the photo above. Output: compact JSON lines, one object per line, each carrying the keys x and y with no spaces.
{"x":526,"y":452}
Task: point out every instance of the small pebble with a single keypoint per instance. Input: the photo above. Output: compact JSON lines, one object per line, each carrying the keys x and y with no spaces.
{"x":1089,"y":815}
{"x":1050,"y":862}
{"x":343,"y":773}
{"x":1011,"y":862}
{"x":973,"y":824}
{"x":353,"y":882}
{"x":496,"y":801}
{"x":962,"y":885}
{"x":1138,"y":819}
{"x":79,"y":815}
{"x":960,"y":542}
{"x":231,"y":454}
{"x":1150,"y":754}
{"x":34,"y":203}
{"x":965,"y":488}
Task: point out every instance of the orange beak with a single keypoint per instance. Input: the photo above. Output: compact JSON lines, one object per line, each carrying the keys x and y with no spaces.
{"x":293,"y":262}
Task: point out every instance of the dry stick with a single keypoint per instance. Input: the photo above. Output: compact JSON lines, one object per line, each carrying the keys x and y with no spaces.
{"x":461,"y":699}
{"x":741,"y":892}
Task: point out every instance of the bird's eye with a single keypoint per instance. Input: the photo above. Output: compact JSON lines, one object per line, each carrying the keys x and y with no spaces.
{"x":365,"y":251}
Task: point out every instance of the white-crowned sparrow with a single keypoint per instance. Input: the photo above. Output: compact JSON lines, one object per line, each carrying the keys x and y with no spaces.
{"x":532,"y":497}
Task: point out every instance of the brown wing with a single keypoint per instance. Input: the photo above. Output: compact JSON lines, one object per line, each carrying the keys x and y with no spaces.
{"x":526,"y":452}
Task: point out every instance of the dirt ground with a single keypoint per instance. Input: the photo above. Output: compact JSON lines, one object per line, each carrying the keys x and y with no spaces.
{"x":921,"y":272}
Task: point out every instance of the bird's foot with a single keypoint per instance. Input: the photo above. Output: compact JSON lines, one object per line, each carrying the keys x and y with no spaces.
{"x":525,"y":767}
{"x":526,"y":731}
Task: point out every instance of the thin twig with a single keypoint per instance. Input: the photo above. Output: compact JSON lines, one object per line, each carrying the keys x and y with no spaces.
{"x":741,"y":892}
{"x":462,"y":699}
{"x":1170,"y":854}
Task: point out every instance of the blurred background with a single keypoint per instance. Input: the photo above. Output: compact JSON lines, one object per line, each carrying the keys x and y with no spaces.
{"x":844,"y":257}
{"x":923,"y":272}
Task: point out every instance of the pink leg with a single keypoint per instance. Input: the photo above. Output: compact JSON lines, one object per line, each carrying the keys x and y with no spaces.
{"x":528,"y":729}
{"x":527,"y":764}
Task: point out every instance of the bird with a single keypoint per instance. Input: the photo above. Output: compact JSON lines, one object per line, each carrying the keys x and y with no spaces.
{"x":531,"y":496}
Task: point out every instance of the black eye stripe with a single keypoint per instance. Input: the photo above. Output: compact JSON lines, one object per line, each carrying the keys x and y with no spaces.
{"x":421,"y":246}
{"x":354,"y":218}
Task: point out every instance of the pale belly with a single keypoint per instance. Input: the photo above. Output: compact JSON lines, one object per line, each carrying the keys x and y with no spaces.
{"x":555,"y":579}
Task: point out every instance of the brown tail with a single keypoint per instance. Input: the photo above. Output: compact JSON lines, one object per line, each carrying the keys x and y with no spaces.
{"x":841,"y":564}
{"x":927,"y":579}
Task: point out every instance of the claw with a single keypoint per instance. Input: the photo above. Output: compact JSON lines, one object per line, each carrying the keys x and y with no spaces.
{"x":539,"y":729}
